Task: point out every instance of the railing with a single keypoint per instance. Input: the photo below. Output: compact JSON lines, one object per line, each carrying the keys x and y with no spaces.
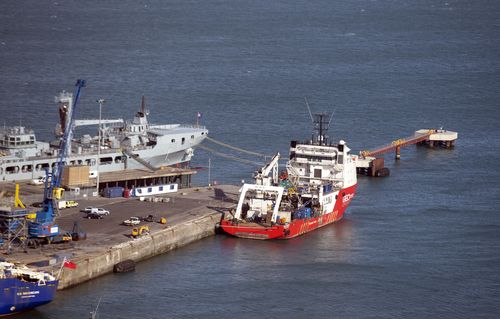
{"x":397,"y":143}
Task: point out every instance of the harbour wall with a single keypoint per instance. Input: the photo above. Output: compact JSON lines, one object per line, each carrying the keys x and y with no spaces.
{"x":141,"y":248}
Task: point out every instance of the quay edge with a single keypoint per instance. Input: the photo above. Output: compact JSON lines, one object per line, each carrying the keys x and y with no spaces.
{"x":140,"y":249}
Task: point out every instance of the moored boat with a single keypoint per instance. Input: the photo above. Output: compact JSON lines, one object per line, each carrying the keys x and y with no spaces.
{"x":23,"y":289}
{"x":315,"y":190}
{"x":121,"y":145}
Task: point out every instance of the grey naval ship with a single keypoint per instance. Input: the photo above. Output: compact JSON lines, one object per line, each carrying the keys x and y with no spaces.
{"x":120,"y":145}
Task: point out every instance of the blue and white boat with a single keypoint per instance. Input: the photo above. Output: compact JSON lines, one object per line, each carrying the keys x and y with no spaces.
{"x":22,"y":288}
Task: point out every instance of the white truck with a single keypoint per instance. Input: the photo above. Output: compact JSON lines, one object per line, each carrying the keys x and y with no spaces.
{"x":66,"y":204}
{"x":95,"y":210}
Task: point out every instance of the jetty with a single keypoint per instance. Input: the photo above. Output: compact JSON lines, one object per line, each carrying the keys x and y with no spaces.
{"x":370,"y":165}
{"x":190,"y":214}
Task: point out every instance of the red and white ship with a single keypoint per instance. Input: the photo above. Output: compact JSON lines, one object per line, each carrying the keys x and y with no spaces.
{"x":315,"y":190}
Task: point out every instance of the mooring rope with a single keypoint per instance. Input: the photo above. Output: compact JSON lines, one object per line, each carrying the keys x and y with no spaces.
{"x":231,"y":157}
{"x":236,"y":148}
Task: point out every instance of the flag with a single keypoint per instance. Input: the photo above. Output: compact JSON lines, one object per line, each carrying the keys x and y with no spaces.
{"x":198,"y":115}
{"x":69,"y":264}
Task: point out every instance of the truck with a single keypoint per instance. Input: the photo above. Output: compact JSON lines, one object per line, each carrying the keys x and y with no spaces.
{"x":66,"y":204}
{"x":95,"y":210}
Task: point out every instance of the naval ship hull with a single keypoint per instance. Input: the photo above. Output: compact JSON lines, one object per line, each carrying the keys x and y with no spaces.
{"x":111,"y":160}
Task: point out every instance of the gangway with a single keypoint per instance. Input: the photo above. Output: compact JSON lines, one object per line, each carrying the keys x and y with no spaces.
{"x":140,"y":160}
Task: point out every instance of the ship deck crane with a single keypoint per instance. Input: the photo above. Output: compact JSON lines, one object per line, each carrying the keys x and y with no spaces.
{"x":262,"y":175}
{"x":44,"y":227}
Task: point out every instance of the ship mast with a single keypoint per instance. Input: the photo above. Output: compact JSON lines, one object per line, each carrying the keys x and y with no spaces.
{"x":321,"y":124}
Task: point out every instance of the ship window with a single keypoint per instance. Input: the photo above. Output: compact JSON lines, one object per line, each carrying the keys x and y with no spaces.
{"x":202,"y":133}
{"x":12,"y":169}
{"x":192,"y":136}
{"x":317,"y":172}
{"x":171,"y":186}
{"x":150,"y":189}
{"x":173,"y":140}
{"x":161,"y":188}
{"x":183,"y":140}
{"x":340,"y":159}
{"x":106,"y":160}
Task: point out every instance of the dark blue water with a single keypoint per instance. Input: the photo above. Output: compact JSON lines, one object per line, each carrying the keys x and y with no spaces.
{"x":422,"y":243}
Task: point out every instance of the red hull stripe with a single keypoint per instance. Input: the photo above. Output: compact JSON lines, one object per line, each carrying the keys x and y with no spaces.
{"x":297,"y":227}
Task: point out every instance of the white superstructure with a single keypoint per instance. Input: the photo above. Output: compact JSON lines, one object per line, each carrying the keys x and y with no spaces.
{"x":124,"y":145}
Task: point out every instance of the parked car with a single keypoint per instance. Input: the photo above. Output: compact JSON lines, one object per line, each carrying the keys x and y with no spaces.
{"x":94,"y":216}
{"x":132,"y":221}
{"x":87,"y":209}
{"x":95,"y":210}
{"x":38,"y":181}
{"x":149,"y":218}
{"x":71,"y":203}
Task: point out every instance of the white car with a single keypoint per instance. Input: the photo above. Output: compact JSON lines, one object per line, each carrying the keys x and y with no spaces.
{"x":95,"y":210}
{"x":132,"y":221}
{"x":38,"y":181}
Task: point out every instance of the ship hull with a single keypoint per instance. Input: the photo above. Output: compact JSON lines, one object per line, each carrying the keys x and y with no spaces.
{"x":17,"y":295}
{"x":37,"y":164}
{"x":295,"y":228}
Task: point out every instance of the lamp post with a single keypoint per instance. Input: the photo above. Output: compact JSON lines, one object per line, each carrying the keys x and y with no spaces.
{"x":101,"y":102}
{"x":209,"y":167}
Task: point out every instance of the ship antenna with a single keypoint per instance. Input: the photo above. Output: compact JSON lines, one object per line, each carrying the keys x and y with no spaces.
{"x":331,"y":117}
{"x":143,"y":105}
{"x":321,"y":127}
{"x":309,"y":109}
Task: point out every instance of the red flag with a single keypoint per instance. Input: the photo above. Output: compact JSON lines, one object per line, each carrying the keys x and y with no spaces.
{"x":69,"y":264}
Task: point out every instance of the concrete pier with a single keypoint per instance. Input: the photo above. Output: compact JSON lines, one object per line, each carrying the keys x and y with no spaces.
{"x":101,"y":263}
{"x":191,"y":214}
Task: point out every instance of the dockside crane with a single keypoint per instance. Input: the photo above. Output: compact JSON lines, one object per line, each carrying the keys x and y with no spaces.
{"x":43,"y":228}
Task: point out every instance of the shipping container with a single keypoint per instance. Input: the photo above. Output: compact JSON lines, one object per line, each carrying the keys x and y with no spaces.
{"x":113,"y":192}
{"x":75,"y":176}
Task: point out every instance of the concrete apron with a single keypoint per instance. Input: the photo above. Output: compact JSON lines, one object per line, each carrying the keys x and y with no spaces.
{"x":139,"y":249}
